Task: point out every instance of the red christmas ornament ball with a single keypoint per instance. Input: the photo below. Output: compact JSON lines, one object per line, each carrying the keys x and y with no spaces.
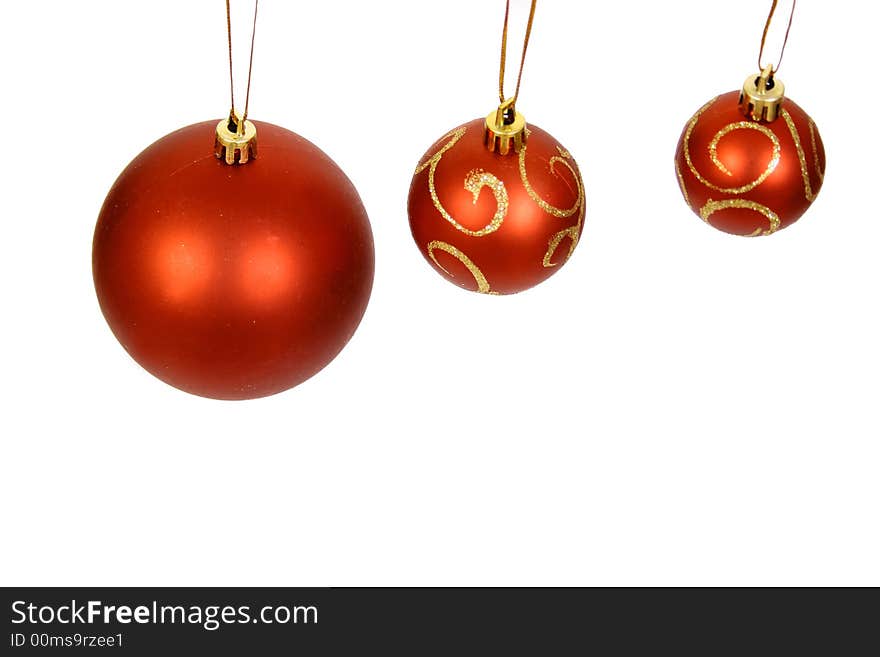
{"x":749,"y":177}
{"x":494,"y":223}
{"x":233,"y":281}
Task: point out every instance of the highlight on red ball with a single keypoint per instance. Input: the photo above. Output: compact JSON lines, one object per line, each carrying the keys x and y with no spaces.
{"x":493,"y":223}
{"x":748,"y":177}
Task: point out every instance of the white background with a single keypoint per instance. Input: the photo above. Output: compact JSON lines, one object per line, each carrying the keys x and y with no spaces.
{"x":675,"y":406}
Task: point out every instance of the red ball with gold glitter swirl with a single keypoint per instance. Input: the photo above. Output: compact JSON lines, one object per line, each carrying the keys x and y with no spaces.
{"x":745,"y":176}
{"x":491,"y":222}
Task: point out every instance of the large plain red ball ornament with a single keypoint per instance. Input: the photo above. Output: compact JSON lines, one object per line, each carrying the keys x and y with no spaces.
{"x":233,"y":281}
{"x":495,"y":222}
{"x":749,"y":176}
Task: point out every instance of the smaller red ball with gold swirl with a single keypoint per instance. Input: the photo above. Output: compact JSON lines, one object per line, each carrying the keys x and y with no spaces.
{"x":749,"y":177}
{"x":493,"y":223}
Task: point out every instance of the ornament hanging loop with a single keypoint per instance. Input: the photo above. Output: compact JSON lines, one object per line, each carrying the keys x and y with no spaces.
{"x":235,"y":139}
{"x":762,"y":94}
{"x":505,"y":127}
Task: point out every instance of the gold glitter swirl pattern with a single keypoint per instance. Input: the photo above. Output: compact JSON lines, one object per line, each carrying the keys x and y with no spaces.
{"x":802,"y":158}
{"x":573,"y":232}
{"x":686,"y":143}
{"x":713,"y":152}
{"x":819,"y":170}
{"x":563,"y":159}
{"x":482,"y":284}
{"x":432,"y":161}
{"x":473,"y":182}
{"x":681,"y":184}
{"x":746,"y":125}
{"x":712,"y":207}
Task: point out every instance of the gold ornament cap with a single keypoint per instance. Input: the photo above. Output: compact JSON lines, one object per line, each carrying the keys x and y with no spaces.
{"x":505,"y":127}
{"x":236,"y":140}
{"x":762,"y":96}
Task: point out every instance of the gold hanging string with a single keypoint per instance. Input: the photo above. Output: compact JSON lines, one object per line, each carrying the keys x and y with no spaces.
{"x":773,"y":69}
{"x":501,"y":98}
{"x":229,"y":34}
{"x":247,"y":97}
